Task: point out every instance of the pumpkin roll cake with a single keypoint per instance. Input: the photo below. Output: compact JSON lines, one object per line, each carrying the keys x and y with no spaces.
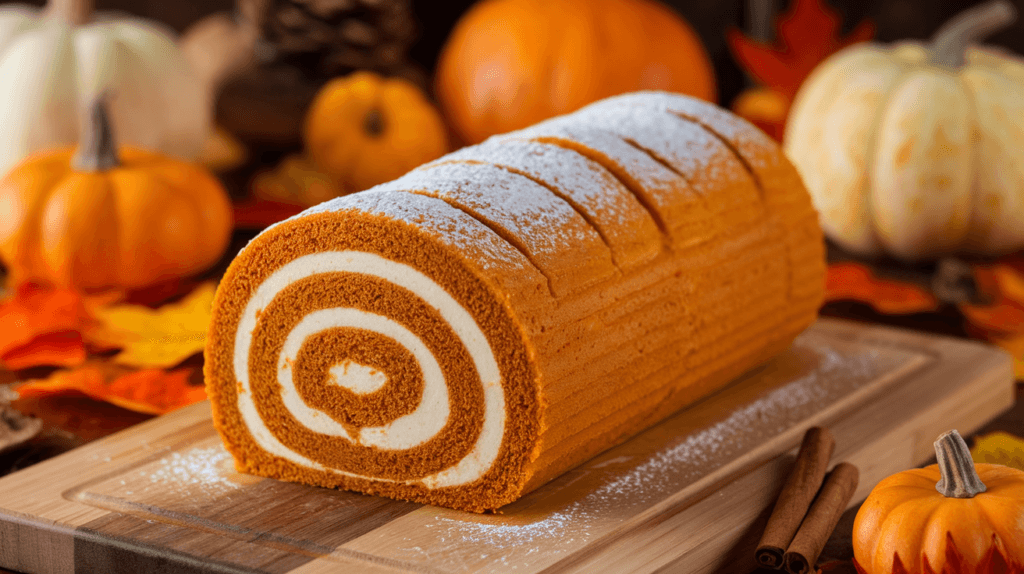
{"x":465,"y":333}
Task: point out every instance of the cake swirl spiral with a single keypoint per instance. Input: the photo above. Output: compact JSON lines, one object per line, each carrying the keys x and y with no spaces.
{"x":341,"y":329}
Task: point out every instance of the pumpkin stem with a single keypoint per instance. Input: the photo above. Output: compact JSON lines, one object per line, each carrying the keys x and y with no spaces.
{"x":959,"y":477}
{"x":950,"y":42}
{"x":74,"y":12}
{"x":97,"y":150}
{"x":373,"y":123}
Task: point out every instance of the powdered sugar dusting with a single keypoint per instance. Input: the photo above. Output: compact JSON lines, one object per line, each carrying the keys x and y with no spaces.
{"x":690,"y":149}
{"x":590,"y":188}
{"x":757,"y":148}
{"x":197,"y":468}
{"x":529,"y":216}
{"x":505,"y":199}
{"x":574,"y":176}
{"x":660,"y":183}
{"x":623,"y":481}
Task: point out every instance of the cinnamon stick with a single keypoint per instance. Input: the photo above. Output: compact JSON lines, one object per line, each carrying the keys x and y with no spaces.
{"x":797,"y":494}
{"x":822,"y":518}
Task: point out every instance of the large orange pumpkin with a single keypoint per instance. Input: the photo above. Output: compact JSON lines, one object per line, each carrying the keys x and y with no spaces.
{"x":953,"y":516}
{"x":509,"y":64}
{"x":94,"y":218}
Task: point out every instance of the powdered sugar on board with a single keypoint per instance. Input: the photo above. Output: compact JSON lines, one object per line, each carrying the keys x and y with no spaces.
{"x":196,"y":468}
{"x":816,"y":372}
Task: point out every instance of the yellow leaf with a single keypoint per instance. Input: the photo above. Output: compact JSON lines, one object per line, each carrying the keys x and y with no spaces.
{"x":1014,"y":345}
{"x":1011,"y":282}
{"x":156,"y":338}
{"x":222,"y":151}
{"x":999,"y":448}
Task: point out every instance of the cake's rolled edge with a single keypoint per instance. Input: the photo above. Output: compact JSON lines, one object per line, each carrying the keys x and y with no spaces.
{"x":487,"y":277}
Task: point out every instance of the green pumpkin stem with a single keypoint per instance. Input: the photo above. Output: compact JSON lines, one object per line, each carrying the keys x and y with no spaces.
{"x":959,"y":477}
{"x":950,"y":42}
{"x":74,"y":12}
{"x":97,"y":150}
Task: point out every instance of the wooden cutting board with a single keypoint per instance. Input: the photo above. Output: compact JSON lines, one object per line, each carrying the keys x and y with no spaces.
{"x":689,"y":495}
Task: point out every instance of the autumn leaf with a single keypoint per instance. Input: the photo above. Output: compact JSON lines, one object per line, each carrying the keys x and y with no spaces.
{"x":156,"y":338}
{"x":151,"y":391}
{"x":1003,"y":286}
{"x":40,"y":325}
{"x":807,"y":34}
{"x":222,"y":151}
{"x":35,"y":310}
{"x":61,"y":349}
{"x":853,"y":281}
{"x":296,"y":181}
{"x":1001,"y":321}
{"x":999,"y":448}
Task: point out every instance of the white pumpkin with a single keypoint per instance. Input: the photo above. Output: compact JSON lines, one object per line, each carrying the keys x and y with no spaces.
{"x":54,"y":62}
{"x":917,"y":150}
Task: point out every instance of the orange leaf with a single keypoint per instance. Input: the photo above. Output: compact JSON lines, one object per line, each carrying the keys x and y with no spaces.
{"x":152,"y":391}
{"x":34,"y":311}
{"x":1004,"y":316}
{"x":155,"y":391}
{"x":807,"y":34}
{"x":60,"y":349}
{"x":853,"y":281}
{"x":38,"y":325}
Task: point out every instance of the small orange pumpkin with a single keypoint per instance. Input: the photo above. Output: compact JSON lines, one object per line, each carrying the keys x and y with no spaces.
{"x":509,"y":64}
{"x":954,"y":516}
{"x":95,"y":218}
{"x":364,"y":129}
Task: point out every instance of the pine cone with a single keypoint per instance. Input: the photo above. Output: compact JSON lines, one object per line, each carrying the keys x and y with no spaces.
{"x":327,"y":38}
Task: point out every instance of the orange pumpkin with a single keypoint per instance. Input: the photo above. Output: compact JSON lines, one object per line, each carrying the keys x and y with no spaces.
{"x":766,"y":108}
{"x":509,"y":64}
{"x":97,"y":218}
{"x":953,"y":516}
{"x":364,"y":129}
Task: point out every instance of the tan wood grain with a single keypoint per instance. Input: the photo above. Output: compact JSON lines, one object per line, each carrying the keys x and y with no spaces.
{"x":688,"y":495}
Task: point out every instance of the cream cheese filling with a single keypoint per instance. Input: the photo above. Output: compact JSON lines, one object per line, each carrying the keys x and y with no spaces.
{"x":356,"y":377}
{"x":399,"y":432}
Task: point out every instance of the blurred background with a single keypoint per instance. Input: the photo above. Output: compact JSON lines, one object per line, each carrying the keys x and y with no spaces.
{"x":893,"y":19}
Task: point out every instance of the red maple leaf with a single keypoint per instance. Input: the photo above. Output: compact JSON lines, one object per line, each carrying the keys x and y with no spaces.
{"x":807,"y":34}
